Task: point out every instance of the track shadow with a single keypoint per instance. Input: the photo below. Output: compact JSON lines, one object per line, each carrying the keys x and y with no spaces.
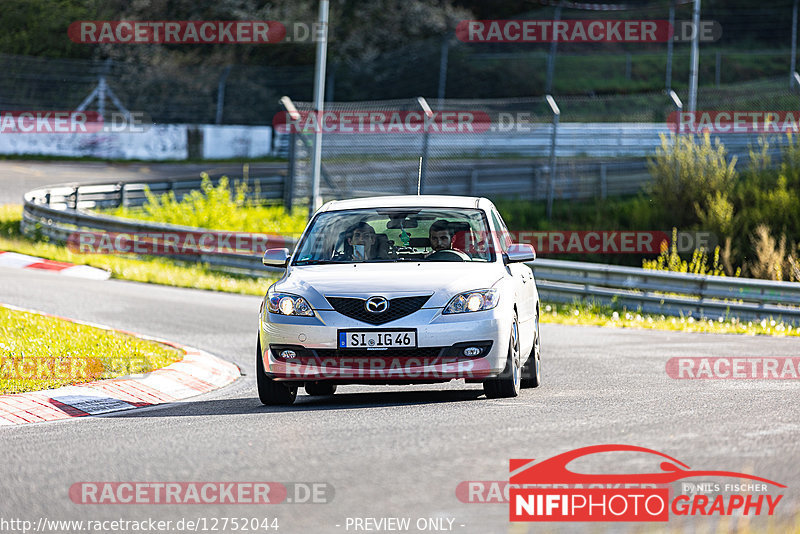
{"x":305,"y":403}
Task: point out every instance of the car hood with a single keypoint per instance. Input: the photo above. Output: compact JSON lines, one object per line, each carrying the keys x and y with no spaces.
{"x":441,"y":280}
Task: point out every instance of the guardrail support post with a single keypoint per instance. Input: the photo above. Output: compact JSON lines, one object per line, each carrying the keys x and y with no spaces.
{"x":551,"y":183}
{"x":424,"y":163}
{"x":679,"y":106}
{"x":288,"y":183}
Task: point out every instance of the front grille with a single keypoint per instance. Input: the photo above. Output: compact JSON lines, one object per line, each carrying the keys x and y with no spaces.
{"x":421,"y":352}
{"x":398,"y":307}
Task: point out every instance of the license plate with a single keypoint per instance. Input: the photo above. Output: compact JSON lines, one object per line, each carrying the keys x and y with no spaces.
{"x":377,"y":339}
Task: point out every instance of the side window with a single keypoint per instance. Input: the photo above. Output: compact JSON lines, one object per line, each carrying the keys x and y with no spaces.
{"x":506,"y":234}
{"x":503,"y":235}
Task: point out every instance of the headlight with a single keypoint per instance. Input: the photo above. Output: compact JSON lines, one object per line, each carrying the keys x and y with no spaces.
{"x":285,"y":304}
{"x":472,"y":301}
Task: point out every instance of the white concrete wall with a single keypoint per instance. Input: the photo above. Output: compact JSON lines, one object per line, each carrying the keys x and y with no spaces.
{"x":158,"y":142}
{"x":222,"y":141}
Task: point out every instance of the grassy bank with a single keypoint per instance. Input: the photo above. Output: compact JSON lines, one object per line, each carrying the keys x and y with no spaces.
{"x":151,"y":270}
{"x":40,"y":352}
{"x":590,"y":314}
{"x":220,"y":208}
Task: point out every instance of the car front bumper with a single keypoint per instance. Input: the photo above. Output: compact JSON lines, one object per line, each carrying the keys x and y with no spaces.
{"x":438,"y":357}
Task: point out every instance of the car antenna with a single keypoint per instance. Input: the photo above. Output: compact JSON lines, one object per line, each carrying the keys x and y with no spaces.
{"x":419,"y":175}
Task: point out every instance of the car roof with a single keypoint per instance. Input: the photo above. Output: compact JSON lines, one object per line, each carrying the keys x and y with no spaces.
{"x":407,"y":201}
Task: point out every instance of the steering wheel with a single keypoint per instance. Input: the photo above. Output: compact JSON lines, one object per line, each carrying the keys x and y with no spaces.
{"x":448,"y":255}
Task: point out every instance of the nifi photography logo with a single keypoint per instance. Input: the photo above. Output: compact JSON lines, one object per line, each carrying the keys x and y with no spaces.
{"x":548,"y":491}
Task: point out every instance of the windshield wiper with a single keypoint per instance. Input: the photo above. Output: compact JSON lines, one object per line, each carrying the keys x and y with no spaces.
{"x":345,"y":262}
{"x":318,"y":262}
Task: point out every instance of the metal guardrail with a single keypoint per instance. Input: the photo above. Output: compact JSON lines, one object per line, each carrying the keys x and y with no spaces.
{"x":505,"y":179}
{"x":667,"y":293}
{"x":594,"y":160}
{"x":77,"y":196}
{"x":573,"y":139}
{"x":58,"y":211}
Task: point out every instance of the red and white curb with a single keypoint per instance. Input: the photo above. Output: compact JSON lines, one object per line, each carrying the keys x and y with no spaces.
{"x":23,"y":261}
{"x":198,"y":372}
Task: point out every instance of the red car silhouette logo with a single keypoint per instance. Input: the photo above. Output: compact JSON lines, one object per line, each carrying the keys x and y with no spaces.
{"x":554,"y":470}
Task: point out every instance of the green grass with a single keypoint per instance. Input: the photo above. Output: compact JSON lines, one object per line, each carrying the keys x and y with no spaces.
{"x":592,"y":314}
{"x":152,"y":270}
{"x":41,"y":352}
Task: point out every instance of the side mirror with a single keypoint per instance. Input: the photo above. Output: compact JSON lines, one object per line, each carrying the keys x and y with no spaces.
{"x":276,"y":257}
{"x":520,"y":253}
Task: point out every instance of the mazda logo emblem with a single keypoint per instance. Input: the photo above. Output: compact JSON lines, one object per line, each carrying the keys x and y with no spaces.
{"x":376,"y":304}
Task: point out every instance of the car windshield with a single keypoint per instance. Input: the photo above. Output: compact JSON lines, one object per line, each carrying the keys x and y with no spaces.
{"x":378,"y":235}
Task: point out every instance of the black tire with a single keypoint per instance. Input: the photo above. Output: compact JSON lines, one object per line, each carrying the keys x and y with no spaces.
{"x":532,"y":370}
{"x":271,"y":392}
{"x":320,"y":389}
{"x":507,"y":383}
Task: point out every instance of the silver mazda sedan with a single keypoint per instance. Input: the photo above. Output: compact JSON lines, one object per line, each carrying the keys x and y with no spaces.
{"x":400,"y":290}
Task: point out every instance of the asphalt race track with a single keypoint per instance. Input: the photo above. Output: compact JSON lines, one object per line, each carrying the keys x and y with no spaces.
{"x":387,"y":451}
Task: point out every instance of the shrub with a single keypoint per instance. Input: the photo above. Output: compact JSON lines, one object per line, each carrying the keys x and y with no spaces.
{"x":687,"y":174}
{"x":219,"y":207}
{"x":670,"y":260}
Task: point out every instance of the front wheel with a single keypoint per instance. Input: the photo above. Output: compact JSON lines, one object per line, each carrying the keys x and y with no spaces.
{"x":507,"y":384}
{"x":271,"y":392}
